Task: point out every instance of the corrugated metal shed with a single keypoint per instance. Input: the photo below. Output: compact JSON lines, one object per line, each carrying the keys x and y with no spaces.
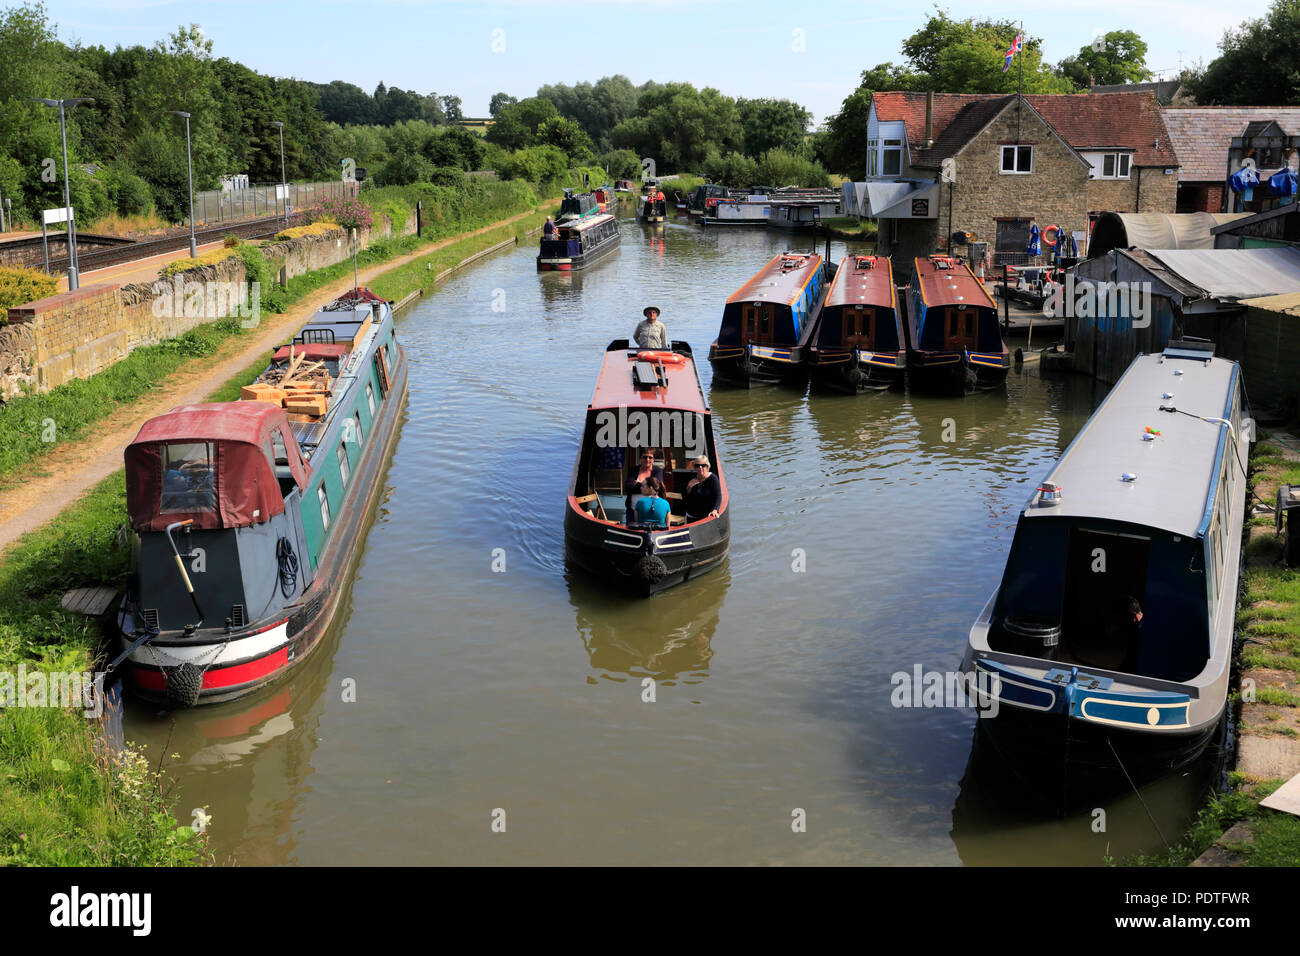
{"x":1288,"y":302}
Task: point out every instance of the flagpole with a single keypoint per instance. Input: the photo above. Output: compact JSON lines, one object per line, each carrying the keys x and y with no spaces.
{"x":1020,"y":103}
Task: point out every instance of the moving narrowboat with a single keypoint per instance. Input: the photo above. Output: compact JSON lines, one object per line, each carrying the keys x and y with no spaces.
{"x":859,"y":345}
{"x":954,"y":342}
{"x":248,"y":516}
{"x":581,"y":239}
{"x":768,"y":323}
{"x":652,"y":207}
{"x":1107,"y":644}
{"x":646,"y":403}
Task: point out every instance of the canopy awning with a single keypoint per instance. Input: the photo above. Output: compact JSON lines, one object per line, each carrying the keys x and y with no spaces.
{"x":1155,"y":230}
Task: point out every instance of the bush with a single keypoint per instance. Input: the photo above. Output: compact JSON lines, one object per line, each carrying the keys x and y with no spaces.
{"x":20,"y":286}
{"x":315,"y":229}
{"x":778,"y":168}
{"x":535,"y":164}
{"x":448,"y":177}
{"x":344,"y":210}
{"x":622,"y":164}
{"x":128,"y":194}
{"x":403,"y":169}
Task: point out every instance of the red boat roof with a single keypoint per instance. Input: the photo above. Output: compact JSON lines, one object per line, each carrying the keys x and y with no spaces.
{"x":863,"y":280}
{"x":947,"y":280}
{"x":214,"y":421}
{"x":615,"y":388}
{"x":781,"y":280}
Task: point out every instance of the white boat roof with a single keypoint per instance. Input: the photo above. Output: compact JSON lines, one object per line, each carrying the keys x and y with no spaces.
{"x":1174,"y":472}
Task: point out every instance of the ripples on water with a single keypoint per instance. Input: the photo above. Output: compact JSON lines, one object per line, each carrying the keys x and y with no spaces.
{"x":523,"y":688}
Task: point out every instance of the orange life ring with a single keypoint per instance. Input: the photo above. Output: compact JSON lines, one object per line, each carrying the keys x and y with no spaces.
{"x":666,"y":358}
{"x":1056,"y":234}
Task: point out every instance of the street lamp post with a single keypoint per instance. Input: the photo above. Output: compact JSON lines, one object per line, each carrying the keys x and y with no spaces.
{"x":283,"y":185}
{"x":189,"y":165}
{"x":64,"y":105}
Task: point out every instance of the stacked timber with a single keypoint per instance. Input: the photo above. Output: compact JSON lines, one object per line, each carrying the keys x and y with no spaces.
{"x":302,"y":388}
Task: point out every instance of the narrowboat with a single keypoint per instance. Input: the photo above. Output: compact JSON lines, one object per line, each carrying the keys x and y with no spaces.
{"x":645,"y":403}
{"x":624,"y":186}
{"x":753,"y":210}
{"x":1107,"y":645}
{"x":703,"y":198}
{"x":859,"y":345}
{"x":652,"y":207}
{"x":606,"y":198}
{"x":954,"y":343}
{"x":801,"y":215}
{"x":248,"y":516}
{"x":768,"y":323}
{"x":582,"y":237}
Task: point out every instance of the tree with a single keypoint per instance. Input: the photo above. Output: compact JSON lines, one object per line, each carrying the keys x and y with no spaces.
{"x":500,"y":100}
{"x":1259,"y":62}
{"x":451,"y":109}
{"x":1122,"y":59}
{"x":517,"y":123}
{"x":844,"y":148}
{"x":772,"y":124}
{"x":567,"y":136}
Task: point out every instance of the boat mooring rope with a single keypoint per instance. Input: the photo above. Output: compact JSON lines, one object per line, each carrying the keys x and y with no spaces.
{"x":1137,"y":793}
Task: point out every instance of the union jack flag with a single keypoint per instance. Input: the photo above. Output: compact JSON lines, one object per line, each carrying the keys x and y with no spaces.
{"x":1016,"y":44}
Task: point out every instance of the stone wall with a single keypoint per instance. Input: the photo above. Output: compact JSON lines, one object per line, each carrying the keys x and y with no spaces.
{"x":76,"y":334}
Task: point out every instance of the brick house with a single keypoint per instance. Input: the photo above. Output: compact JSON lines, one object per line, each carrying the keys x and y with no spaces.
{"x":1038,"y":159}
{"x":1211,"y":141}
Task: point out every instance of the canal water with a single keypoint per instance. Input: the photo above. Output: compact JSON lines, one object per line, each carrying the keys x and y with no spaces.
{"x":471,"y":680}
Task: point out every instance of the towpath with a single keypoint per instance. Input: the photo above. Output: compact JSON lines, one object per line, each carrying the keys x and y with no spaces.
{"x":54,"y":481}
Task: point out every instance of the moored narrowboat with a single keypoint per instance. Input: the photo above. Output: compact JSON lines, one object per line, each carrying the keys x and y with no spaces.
{"x":248,"y":515}
{"x":579,"y":242}
{"x":801,"y":214}
{"x":768,"y":323}
{"x":704,"y":198}
{"x":1108,"y":643}
{"x":859,"y":345}
{"x":954,"y":343}
{"x":651,"y":405}
{"x":606,"y":198}
{"x":753,"y":210}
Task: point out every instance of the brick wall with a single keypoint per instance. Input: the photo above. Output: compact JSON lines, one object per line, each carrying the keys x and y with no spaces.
{"x":76,"y":334}
{"x":1200,"y":197}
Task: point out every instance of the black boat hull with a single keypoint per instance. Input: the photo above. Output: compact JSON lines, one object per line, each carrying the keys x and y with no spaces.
{"x":609,"y":552}
{"x":842,"y":372}
{"x":741,"y":367}
{"x":583,"y":260}
{"x":953,"y":373}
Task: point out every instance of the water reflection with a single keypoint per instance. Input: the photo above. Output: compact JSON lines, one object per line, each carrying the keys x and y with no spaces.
{"x":667,"y":640}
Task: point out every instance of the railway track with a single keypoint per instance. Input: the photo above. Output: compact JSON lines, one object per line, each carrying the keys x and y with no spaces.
{"x":103,"y":258}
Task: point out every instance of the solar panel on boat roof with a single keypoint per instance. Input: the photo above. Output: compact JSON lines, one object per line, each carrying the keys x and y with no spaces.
{"x":307,"y":433}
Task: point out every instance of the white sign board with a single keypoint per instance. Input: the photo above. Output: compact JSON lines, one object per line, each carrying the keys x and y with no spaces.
{"x":58,"y":215}
{"x":281,"y":191}
{"x":948,"y":170}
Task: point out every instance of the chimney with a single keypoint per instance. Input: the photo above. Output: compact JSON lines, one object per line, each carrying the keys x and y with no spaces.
{"x":929,"y":119}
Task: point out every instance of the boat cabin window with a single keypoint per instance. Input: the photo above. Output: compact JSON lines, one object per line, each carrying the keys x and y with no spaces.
{"x":961,"y":328}
{"x":370,"y":397}
{"x":324,"y":508}
{"x":345,"y":468}
{"x":188,"y":478}
{"x":360,"y":432}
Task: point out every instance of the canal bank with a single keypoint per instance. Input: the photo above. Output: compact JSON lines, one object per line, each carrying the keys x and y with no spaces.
{"x":66,"y":801}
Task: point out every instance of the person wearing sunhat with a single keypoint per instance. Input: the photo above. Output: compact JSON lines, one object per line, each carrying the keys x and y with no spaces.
{"x":650,"y":332}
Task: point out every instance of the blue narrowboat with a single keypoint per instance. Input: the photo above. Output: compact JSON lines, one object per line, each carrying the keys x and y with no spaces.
{"x":954,"y":343}
{"x":768,"y":323}
{"x":583,"y":235}
{"x":248,"y":516}
{"x":1108,"y":643}
{"x":859,"y":345}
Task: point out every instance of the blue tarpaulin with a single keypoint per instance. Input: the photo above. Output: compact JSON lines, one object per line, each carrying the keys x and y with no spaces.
{"x":1035,"y":247}
{"x":1283,"y":183}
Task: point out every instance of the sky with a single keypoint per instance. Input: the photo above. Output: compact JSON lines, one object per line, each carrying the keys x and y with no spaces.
{"x":812,"y":53}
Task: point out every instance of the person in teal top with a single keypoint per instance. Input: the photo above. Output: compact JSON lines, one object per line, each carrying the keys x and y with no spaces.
{"x":650,"y":508}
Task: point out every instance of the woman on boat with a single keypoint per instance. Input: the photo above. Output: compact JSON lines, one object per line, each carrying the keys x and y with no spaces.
{"x":651,"y":509}
{"x":703,"y":494}
{"x":647,"y":471}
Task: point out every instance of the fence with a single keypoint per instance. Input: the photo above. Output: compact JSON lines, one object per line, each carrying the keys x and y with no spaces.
{"x":219,"y":205}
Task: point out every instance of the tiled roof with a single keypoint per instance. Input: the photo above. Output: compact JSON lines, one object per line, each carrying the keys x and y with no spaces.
{"x":1085,"y":121}
{"x":1202,"y":135}
{"x":1163,"y":89}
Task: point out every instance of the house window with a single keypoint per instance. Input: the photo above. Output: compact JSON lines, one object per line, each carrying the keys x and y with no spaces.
{"x":345,"y":468}
{"x":1114,"y":166}
{"x":891,"y":157}
{"x":324,"y":508}
{"x":1017,"y":159}
{"x":872,"y":165}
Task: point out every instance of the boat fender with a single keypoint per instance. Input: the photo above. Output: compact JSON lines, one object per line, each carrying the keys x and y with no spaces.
{"x":184,"y":681}
{"x":652,"y":569}
{"x":667,"y":358}
{"x":855,"y":376}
